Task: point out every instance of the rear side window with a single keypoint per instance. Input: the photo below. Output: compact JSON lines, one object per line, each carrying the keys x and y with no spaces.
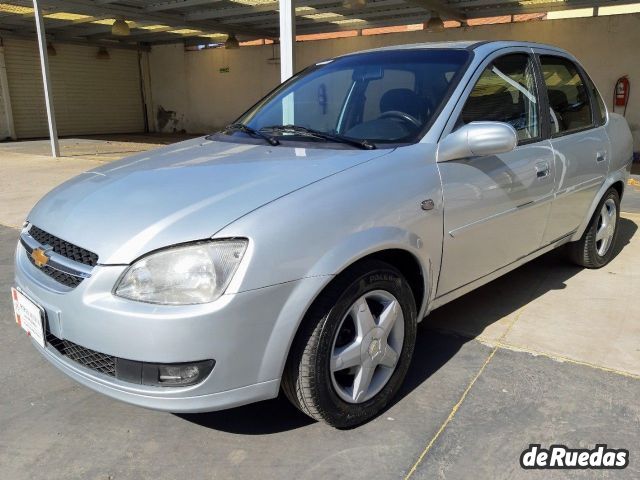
{"x":600,"y":109}
{"x":506,"y":92}
{"x":569,"y":100}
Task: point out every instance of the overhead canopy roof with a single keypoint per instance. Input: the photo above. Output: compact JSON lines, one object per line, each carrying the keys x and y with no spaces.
{"x":208,"y":21}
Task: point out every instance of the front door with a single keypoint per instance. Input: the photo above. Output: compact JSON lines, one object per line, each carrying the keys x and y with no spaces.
{"x":496,"y":207}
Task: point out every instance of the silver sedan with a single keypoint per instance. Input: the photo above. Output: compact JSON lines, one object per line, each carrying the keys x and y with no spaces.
{"x":298,"y":248}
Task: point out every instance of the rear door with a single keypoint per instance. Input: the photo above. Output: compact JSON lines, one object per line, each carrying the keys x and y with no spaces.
{"x":496,"y":207}
{"x":579,"y":140}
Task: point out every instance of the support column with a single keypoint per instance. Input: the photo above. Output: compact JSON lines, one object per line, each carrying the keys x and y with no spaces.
{"x":146,"y":91}
{"x":6,"y":96}
{"x":46,"y":80}
{"x":287,"y":39}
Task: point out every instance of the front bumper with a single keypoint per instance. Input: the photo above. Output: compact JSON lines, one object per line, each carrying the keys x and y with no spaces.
{"x":181,"y":401}
{"x":247,"y":334}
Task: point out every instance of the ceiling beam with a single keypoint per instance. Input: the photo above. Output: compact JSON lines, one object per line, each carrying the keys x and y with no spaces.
{"x":89,"y":7}
{"x":18,"y":21}
{"x":443,"y":9}
{"x":263,"y":7}
{"x":74,"y":41}
{"x":191,"y":41}
{"x":439,"y":6}
{"x":137,"y":35}
{"x":156,"y":7}
{"x":57,"y":25}
{"x":305,"y":30}
{"x":416,"y":13}
{"x":497,"y":10}
{"x":145,"y":35}
{"x":272,"y":17}
{"x":92,"y":31}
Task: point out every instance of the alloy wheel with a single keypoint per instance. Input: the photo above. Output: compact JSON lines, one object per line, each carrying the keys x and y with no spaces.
{"x":367,"y":346}
{"x":606,"y":227}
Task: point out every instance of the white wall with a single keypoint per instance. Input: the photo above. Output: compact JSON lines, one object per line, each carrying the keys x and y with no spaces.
{"x":202,"y":99}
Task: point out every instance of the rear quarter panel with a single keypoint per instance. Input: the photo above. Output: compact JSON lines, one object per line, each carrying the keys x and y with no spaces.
{"x":621,"y":142}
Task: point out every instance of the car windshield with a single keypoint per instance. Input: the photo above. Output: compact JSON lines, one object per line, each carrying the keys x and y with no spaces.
{"x":387,"y":97}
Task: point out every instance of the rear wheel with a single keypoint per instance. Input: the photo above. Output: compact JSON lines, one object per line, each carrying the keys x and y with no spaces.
{"x":596,"y":247}
{"x":354,"y":346}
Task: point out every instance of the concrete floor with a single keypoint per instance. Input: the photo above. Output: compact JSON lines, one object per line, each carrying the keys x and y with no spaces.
{"x":549,"y":353}
{"x":29,"y":163}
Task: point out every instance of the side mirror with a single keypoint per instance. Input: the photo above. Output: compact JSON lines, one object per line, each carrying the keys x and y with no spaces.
{"x":477,"y":139}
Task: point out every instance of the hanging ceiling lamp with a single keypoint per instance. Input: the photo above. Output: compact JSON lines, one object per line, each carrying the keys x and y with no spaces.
{"x":232,"y":42}
{"x":120,"y":28}
{"x":355,"y":4}
{"x":435,"y":23}
{"x":103,"y":54}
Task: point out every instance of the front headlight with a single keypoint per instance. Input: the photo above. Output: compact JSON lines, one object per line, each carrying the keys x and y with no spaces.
{"x":196,"y":273}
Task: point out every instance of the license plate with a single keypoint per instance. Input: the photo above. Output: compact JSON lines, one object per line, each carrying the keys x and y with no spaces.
{"x":29,"y":316}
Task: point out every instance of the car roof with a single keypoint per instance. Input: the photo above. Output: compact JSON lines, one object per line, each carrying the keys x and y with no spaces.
{"x":487,"y":45}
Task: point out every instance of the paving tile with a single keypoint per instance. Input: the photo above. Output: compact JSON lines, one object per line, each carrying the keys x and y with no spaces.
{"x":592,"y":316}
{"x":488,"y":311}
{"x":521,"y":399}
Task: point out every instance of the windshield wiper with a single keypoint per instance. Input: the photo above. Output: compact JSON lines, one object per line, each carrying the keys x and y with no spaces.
{"x":241,"y":127}
{"x":331,"y":137}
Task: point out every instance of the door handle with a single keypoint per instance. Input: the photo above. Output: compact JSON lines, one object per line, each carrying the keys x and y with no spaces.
{"x":601,"y":156}
{"x":542,"y":170}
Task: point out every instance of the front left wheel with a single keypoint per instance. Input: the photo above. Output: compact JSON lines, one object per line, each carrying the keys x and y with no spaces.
{"x":354,"y":346}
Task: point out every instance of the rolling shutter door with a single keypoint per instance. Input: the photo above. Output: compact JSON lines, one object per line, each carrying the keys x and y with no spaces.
{"x":90,"y":95}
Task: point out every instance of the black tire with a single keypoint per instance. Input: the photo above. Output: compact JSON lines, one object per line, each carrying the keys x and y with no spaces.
{"x":307,"y":378}
{"x":584,"y":252}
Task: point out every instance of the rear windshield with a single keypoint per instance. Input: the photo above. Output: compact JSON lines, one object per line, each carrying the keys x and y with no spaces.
{"x":385,"y":97}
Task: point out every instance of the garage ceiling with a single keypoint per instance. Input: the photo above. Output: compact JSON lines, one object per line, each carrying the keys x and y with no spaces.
{"x":208,"y":21}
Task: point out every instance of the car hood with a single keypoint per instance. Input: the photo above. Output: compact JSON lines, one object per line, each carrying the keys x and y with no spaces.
{"x":184,"y":192}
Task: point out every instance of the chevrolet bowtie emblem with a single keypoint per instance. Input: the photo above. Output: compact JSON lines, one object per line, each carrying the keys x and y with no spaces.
{"x":39,"y":257}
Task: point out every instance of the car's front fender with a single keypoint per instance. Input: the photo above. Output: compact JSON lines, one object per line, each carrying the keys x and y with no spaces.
{"x":325,"y":226}
{"x":333,"y":262}
{"x":313,"y":234}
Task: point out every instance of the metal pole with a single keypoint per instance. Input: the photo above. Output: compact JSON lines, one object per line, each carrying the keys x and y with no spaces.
{"x":287,"y":39}
{"x":46,"y":80}
{"x":6,"y":98}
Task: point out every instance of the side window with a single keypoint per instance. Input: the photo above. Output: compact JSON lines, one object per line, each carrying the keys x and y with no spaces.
{"x":600,"y":107}
{"x":506,"y":92}
{"x":569,"y":101}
